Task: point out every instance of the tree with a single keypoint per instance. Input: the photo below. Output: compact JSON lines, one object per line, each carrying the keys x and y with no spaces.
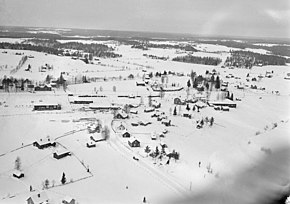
{"x":217,"y":84}
{"x":18,"y":163}
{"x":47,"y":79}
{"x":114,"y":88}
{"x":192,"y":75}
{"x":175,"y":111}
{"x":211,"y":121}
{"x":147,"y":150}
{"x":149,"y":101}
{"x":46,"y":183}
{"x":188,"y":83}
{"x":187,"y":107}
{"x":207,"y":86}
{"x":63,"y":178}
{"x":157,"y":152}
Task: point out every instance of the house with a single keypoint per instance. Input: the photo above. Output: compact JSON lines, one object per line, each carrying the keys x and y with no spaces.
{"x":97,"y":138}
{"x":177,"y":101}
{"x":225,"y":108}
{"x":82,"y":101}
{"x":44,"y":143}
{"x":39,"y":198}
{"x":43,"y":88}
{"x":134,"y":143}
{"x":140,"y":83}
{"x":121,"y":115}
{"x":133,"y":111}
{"x":225,"y":103}
{"x":153,"y":136}
{"x":144,"y":123}
{"x":134,"y":123}
{"x":61,"y":154}
{"x":18,"y":174}
{"x":287,"y":76}
{"x":121,"y":127}
{"x":166,"y":122}
{"x":103,"y":107}
{"x":126,"y":134}
{"x":68,"y":200}
{"x":46,"y":106}
{"x":91,"y":144}
{"x":149,"y":109}
{"x":187,"y":114}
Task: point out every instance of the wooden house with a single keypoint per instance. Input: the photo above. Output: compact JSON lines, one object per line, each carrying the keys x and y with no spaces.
{"x":134,"y":143}
{"x":91,"y":144}
{"x":61,"y":154}
{"x":68,"y":200}
{"x":46,"y":106}
{"x":134,"y":123}
{"x":126,"y":134}
{"x":121,"y":115}
{"x":18,"y":174}
{"x":44,"y":143}
{"x":140,"y":84}
{"x":43,"y":88}
{"x":39,"y":198}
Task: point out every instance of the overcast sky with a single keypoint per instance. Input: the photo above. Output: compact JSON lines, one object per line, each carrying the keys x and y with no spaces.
{"x":257,"y":18}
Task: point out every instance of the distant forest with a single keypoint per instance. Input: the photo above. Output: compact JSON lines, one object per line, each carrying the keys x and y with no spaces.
{"x":198,"y":60}
{"x":255,"y":58}
{"x":283,"y":50}
{"x":52,"y":46}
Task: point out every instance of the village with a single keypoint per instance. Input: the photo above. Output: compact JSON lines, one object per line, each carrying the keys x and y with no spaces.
{"x":167,"y":127}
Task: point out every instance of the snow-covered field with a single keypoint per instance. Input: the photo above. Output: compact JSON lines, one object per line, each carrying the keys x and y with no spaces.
{"x":107,"y":173}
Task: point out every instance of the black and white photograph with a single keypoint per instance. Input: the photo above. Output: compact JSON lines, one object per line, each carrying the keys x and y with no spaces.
{"x":144,"y":101}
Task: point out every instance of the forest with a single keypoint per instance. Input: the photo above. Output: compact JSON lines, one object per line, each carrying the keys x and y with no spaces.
{"x":198,"y":60}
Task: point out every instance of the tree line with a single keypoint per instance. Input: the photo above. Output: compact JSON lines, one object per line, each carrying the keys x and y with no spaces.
{"x":198,"y":60}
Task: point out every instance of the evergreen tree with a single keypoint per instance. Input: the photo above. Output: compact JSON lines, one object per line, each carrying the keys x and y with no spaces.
{"x":157,"y":152}
{"x":147,"y":149}
{"x":46,"y":183}
{"x":18,"y":163}
{"x":217,"y":84}
{"x":175,"y":111}
{"x":187,"y":107}
{"x":188,"y":83}
{"x":63,"y":179}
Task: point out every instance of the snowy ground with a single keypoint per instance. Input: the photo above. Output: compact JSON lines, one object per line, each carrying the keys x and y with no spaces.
{"x":237,"y":140}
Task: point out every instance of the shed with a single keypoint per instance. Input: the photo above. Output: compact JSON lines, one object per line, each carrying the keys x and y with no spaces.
{"x":126,"y":134}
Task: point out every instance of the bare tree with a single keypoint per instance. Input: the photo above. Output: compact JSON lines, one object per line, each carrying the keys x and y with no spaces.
{"x":18,"y":163}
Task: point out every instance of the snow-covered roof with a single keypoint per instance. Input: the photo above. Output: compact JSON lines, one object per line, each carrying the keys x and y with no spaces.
{"x":46,"y":140}
{"x":39,"y":198}
{"x":17,"y":172}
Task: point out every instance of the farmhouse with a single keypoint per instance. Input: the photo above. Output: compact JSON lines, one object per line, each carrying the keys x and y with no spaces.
{"x":134,"y":143}
{"x":44,"y":143}
{"x":78,"y":100}
{"x":121,"y":115}
{"x":148,"y":110}
{"x":140,"y":83}
{"x":46,"y":106}
{"x":225,"y":103}
{"x":68,"y":200}
{"x":94,"y":106}
{"x":40,"y":198}
{"x":91,"y":144}
{"x":43,"y":88}
{"x":61,"y":154}
{"x":18,"y":174}
{"x":126,"y":134}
